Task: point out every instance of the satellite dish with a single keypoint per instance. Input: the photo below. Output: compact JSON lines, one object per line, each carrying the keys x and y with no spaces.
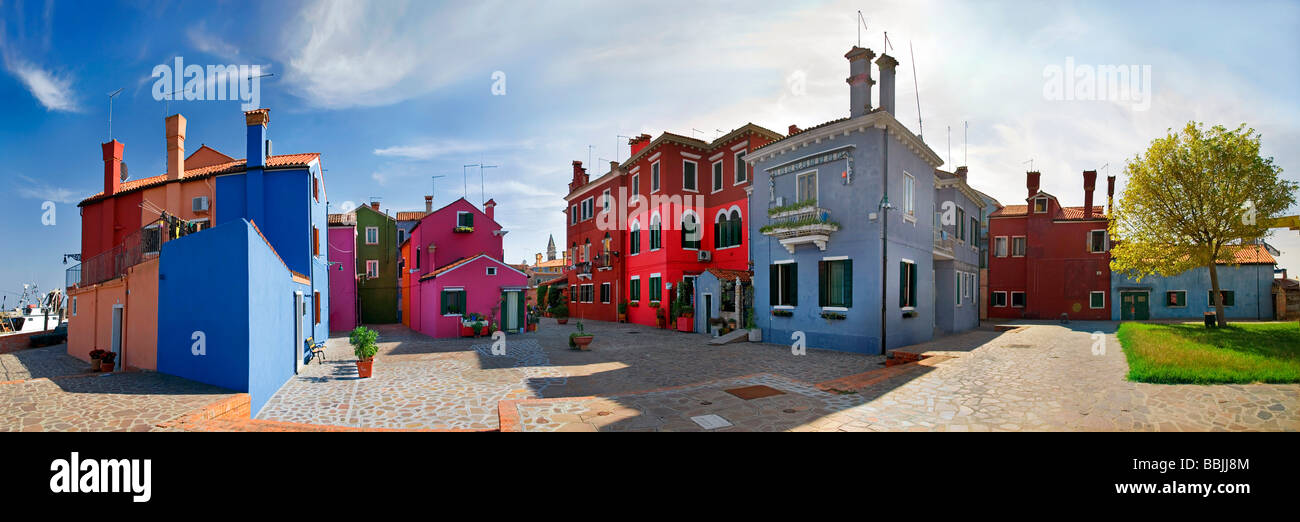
{"x":124,"y":174}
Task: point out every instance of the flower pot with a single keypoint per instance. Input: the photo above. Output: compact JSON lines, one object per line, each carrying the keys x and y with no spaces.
{"x":622,"y":318}
{"x":106,"y":366}
{"x":466,"y":331}
{"x":95,"y":365}
{"x":484,"y":332}
{"x":583,"y":342}
{"x":562,"y":320}
{"x":365,"y":367}
{"x":685,"y":324}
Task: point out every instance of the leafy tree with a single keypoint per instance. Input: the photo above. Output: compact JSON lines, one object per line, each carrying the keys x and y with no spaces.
{"x":1191,"y":197}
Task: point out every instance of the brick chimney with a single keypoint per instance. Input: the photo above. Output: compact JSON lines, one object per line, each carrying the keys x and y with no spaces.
{"x":175,"y":146}
{"x":257,"y":147}
{"x":887,"y":65}
{"x":489,"y":208}
{"x":1031,"y":182}
{"x":428,"y":204}
{"x":961,"y":172}
{"x":794,"y":129}
{"x":112,"y":166}
{"x":374,"y":205}
{"x":1110,"y":194}
{"x":1089,"y":185}
{"x":579,"y":176}
{"x":638,"y":143}
{"x":539,"y":258}
{"x":859,"y":81}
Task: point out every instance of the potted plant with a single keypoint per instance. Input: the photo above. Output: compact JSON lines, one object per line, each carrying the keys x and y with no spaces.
{"x":533,"y":321}
{"x":106,"y":361}
{"x":755,"y":335}
{"x":363,"y":344}
{"x":96,"y":356}
{"x":661,"y":319}
{"x":622,"y":312}
{"x":686,"y":319}
{"x":731,"y":324}
{"x":581,"y":339}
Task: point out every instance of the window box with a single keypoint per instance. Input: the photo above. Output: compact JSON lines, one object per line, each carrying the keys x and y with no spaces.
{"x":834,"y":316}
{"x":634,"y":304}
{"x":463,"y":230}
{"x":780,"y":312}
{"x":654,"y":304}
{"x":908,"y":314}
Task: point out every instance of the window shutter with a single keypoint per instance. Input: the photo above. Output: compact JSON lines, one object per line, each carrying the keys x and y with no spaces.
{"x":848,"y":282}
{"x":773,"y":279}
{"x":902,"y":284}
{"x":794,"y":284}
{"x":911,"y":286}
{"x":823,"y":292}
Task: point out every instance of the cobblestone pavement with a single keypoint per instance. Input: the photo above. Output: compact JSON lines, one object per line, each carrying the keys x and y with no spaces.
{"x":1045,"y":377}
{"x":424,"y":383}
{"x":131,"y":401}
{"x":32,"y":363}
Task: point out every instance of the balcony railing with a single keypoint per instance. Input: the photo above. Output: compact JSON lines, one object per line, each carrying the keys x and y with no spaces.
{"x":943,"y":243}
{"x":72,"y":276}
{"x":809,"y":224}
{"x":133,"y":250}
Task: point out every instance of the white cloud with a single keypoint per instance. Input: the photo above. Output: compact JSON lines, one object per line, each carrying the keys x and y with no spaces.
{"x":204,"y":40}
{"x":33,"y":189}
{"x":54,"y":91}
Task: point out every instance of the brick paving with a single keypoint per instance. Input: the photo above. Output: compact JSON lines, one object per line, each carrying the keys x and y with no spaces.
{"x":34,"y":363}
{"x":126,"y":401}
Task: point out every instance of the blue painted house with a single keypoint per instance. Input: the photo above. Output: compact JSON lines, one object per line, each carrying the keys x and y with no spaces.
{"x":831,"y":193}
{"x":1246,"y":285}
{"x":240,"y":303}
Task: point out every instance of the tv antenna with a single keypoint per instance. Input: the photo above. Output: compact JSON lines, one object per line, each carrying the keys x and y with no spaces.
{"x":481,"y":191}
{"x":433,"y":185}
{"x":111,"y":95}
{"x":1031,"y":164}
{"x":464,"y":179}
{"x":920,"y":129}
{"x":862,"y":24}
{"x":964,"y":131}
{"x":616,"y":145}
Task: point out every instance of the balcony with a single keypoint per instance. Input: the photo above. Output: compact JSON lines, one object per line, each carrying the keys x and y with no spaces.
{"x":944,"y":244}
{"x":802,"y":225}
{"x":138,"y":246}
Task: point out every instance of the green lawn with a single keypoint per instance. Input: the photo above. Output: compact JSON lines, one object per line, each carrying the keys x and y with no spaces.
{"x":1191,"y":353}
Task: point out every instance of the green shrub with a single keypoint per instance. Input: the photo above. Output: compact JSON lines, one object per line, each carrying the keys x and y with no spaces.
{"x":363,"y":344}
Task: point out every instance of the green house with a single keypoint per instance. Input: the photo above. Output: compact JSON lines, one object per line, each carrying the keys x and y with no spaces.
{"x":377,"y":265}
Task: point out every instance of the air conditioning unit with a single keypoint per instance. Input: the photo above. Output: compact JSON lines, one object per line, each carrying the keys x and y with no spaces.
{"x":704,"y":256}
{"x":199,"y":204}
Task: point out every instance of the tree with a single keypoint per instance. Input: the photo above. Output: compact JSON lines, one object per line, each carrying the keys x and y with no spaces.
{"x":1191,"y":198}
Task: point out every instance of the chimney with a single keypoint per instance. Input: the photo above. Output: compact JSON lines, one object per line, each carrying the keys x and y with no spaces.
{"x":1110,"y":194}
{"x":428,"y":204}
{"x":258,"y":146}
{"x":859,"y":81}
{"x":961,"y":172}
{"x":175,"y":146}
{"x":112,"y":166}
{"x":489,"y":208}
{"x":539,"y":258}
{"x":887,"y":65}
{"x":374,"y":205}
{"x":794,"y":129}
{"x":1031,"y":182}
{"x":1089,"y":184}
{"x":638,"y":143}
{"x":579,"y":176}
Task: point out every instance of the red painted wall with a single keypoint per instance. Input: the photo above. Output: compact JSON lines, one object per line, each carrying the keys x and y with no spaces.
{"x":1057,"y":272}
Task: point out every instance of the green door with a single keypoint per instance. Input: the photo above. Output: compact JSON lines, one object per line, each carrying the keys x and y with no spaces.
{"x":512,"y":311}
{"x":1134,"y":306}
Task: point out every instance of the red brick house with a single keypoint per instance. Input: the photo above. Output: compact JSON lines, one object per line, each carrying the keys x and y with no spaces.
{"x":1047,"y":260}
{"x":676,"y":207}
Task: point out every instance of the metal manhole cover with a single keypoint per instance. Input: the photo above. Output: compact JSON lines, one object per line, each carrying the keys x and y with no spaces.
{"x":710,"y":421}
{"x":755,"y":392}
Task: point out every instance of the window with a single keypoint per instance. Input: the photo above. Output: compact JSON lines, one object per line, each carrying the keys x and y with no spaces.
{"x":372,"y":268}
{"x":1000,"y":246}
{"x":690,"y":232}
{"x":1018,"y":246}
{"x":906,"y":284}
{"x":970,"y":285}
{"x":634,"y":289}
{"x":1097,"y":241}
{"x":806,"y":186}
{"x":372,"y":235}
{"x":784,"y":284}
{"x":1040,"y":205}
{"x":1096,"y":300}
{"x":835,"y":283}
{"x":491,"y":270}
{"x":401,"y":236}
{"x":315,"y":190}
{"x":586,"y":293}
{"x":999,"y":299}
{"x":604,"y":293}
{"x":1176,"y":299}
{"x":417,"y":257}
{"x":1228,"y":296}
{"x":689,"y":176}
{"x":656,"y":288}
{"x":606,"y":200}
{"x":654,"y":178}
{"x":909,"y":194}
{"x":635,"y":239}
{"x":315,"y":241}
{"x":74,"y":305}
{"x":573,"y":215}
{"x":961,"y":224}
{"x":636,"y":184}
{"x":727,"y":231}
{"x":717,"y":176}
{"x":960,"y":282}
{"x":741,"y":171}
{"x":316,"y":301}
{"x":588,"y":208}
{"x":656,"y":233}
{"x":586,"y":251}
{"x":1018,"y":299}
{"x":974,"y":230}
{"x":453,"y":301}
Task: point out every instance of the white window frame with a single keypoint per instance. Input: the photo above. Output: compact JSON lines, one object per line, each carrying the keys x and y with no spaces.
{"x":1012,"y":298}
{"x":634,"y":246}
{"x":491,"y":270}
{"x":1013,"y":246}
{"x":573,"y":215}
{"x":1184,"y":292}
{"x":636,"y":185}
{"x":740,"y":169}
{"x":368,"y":231}
{"x":653,"y":218}
{"x":605,"y":200}
{"x":606,"y":289}
{"x":1103,"y":300}
{"x":656,"y":178}
{"x":1034,"y":207}
{"x":73,"y":306}
{"x":994,"y":302}
{"x":635,"y":281}
{"x":1005,"y":249}
{"x":697,"y":176}
{"x":816,"y":186}
{"x":961,"y":285}
{"x":374,"y":263}
{"x":907,"y":286}
{"x":909,"y":194}
{"x":1105,"y":243}
{"x":718,"y":176}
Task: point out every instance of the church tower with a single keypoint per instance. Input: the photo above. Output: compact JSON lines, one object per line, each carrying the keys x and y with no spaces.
{"x":550,"y":249}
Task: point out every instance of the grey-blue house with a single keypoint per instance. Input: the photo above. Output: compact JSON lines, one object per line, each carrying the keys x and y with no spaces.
{"x":832,"y":193}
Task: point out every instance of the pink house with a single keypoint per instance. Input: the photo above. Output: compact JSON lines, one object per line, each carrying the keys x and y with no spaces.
{"x":343,"y":271}
{"x":456,"y":264}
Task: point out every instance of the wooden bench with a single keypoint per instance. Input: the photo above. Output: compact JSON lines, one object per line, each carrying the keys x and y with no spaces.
{"x":317,"y":350}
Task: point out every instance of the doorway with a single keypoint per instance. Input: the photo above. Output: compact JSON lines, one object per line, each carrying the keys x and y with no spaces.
{"x":299,"y":311}
{"x":116,"y":335}
{"x":512,"y":311}
{"x":1134,"y":306}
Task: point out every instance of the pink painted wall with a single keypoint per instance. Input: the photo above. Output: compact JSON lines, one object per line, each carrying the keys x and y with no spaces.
{"x":92,"y":327}
{"x":437,"y":229}
{"x":343,"y":277}
{"x":482,"y":293}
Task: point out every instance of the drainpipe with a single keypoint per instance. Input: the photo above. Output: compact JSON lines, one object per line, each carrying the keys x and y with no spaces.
{"x":884,"y":234}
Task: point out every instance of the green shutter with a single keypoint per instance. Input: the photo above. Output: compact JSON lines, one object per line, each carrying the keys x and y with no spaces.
{"x":823,"y":291}
{"x":794,"y":284}
{"x":1229,"y":297}
{"x":773,"y":279}
{"x":848,"y":282}
{"x":902,"y":284}
{"x":911,"y":279}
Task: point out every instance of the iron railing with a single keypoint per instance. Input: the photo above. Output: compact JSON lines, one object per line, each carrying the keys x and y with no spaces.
{"x":133,"y":250}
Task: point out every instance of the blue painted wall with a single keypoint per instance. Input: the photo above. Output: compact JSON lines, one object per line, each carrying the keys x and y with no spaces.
{"x":241,"y":300}
{"x":858,"y":239}
{"x":1251,"y":285}
{"x":955,"y":313}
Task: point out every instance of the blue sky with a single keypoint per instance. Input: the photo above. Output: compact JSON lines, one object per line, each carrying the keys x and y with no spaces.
{"x":394,"y":92}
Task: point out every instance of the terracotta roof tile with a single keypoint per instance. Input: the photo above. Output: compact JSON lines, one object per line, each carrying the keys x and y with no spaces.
{"x":1076,"y":213}
{"x":1248,"y":254}
{"x":730,"y":275}
{"x":341,"y":219}
{"x":1011,"y":210}
{"x":284,"y":160}
{"x":411,"y":215}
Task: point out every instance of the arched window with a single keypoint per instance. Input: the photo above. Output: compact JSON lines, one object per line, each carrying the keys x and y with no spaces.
{"x":656,"y":233}
{"x":634,"y":246}
{"x":586,"y":250}
{"x":737,"y":228}
{"x":690,"y":231}
{"x":720,"y":230}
